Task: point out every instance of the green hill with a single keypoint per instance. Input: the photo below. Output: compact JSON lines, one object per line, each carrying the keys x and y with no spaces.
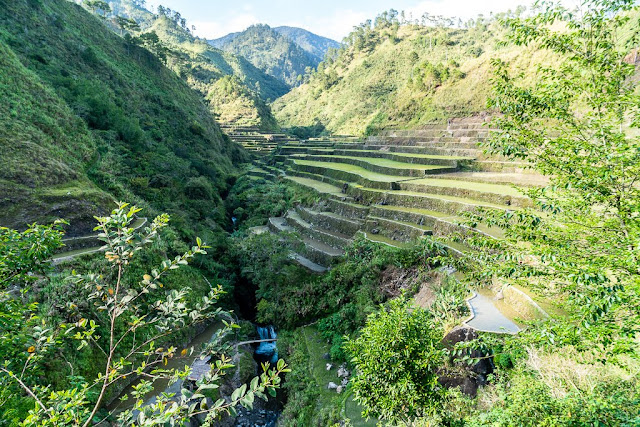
{"x":270,"y":51}
{"x":317,"y":46}
{"x":88,"y":118}
{"x":396,"y":74}
{"x":202,"y":66}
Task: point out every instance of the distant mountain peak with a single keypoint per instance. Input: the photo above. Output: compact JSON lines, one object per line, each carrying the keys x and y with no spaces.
{"x":283,"y":52}
{"x":315,"y":45}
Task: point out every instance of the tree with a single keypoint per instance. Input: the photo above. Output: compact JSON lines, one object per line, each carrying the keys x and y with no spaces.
{"x":577,"y":124}
{"x":23,"y":255}
{"x":396,"y":358}
{"x":99,"y":7}
{"x":137,"y":314}
{"x":127,"y":24}
{"x":152,"y":42}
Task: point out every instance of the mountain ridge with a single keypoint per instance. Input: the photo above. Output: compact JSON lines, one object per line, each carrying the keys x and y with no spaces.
{"x":203,"y":66}
{"x":393,"y":74}
{"x":316,"y":45}
{"x":270,"y":51}
{"x":312,"y":43}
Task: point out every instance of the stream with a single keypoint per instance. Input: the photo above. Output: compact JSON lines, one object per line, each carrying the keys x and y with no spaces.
{"x":264,"y":413}
{"x":178,"y":362}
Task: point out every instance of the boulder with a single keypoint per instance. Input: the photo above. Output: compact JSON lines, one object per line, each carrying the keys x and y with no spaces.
{"x":329,"y":366}
{"x":332,"y":386}
{"x":472,"y":376}
{"x":342,"y":372}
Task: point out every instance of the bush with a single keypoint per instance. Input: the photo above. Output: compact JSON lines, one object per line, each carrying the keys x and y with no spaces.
{"x":396,"y":357}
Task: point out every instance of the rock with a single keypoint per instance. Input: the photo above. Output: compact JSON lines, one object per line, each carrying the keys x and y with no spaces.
{"x":467,"y":384}
{"x":342,"y":372}
{"x":473,"y":376}
{"x":332,"y":386}
{"x":500,"y":295}
{"x":375,"y":231}
{"x":345,"y":381}
{"x":326,"y":356}
{"x":339,"y":389}
{"x":329,"y":366}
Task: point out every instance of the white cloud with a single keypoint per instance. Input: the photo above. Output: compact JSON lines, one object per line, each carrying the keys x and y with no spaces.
{"x":216,"y":29}
{"x":339,"y":25}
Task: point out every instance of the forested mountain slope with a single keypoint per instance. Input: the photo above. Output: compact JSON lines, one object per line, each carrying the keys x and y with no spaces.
{"x":270,"y":51}
{"x":399,"y":74}
{"x":203,"y":66}
{"x":89,"y":118}
{"x":317,"y":46}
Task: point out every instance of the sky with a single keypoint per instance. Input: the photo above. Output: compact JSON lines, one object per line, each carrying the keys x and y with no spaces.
{"x":329,"y":18}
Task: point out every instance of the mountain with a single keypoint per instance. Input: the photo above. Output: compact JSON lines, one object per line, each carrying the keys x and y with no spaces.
{"x":222,"y":41}
{"x":401,"y":75}
{"x":209,"y":70}
{"x":89,"y":117}
{"x":201,"y":65}
{"x":270,"y":51}
{"x":315,"y":45}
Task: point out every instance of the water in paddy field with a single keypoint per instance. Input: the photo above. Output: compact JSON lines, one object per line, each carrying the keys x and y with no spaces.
{"x":267,"y":351}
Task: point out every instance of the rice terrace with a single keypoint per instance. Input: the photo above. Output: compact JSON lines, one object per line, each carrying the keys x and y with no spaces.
{"x":411,"y":213}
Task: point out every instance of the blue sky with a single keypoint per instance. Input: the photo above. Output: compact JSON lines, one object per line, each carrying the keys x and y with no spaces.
{"x":329,"y":18}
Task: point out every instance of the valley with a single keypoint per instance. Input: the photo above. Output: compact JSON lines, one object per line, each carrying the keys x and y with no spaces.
{"x":431,"y":222}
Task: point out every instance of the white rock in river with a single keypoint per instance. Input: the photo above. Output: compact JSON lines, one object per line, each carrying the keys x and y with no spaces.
{"x":332,"y":386}
{"x":329,"y":366}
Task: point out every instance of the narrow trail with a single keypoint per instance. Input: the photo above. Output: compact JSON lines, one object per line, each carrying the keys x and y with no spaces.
{"x":70,"y":255}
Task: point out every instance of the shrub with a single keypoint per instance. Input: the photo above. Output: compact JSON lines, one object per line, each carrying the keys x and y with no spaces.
{"x":396,"y":357}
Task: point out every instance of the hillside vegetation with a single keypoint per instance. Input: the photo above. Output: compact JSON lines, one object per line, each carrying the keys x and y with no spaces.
{"x":393,"y":73}
{"x":203,"y":66}
{"x":89,"y":118}
{"x":270,"y":51}
{"x":317,"y":46}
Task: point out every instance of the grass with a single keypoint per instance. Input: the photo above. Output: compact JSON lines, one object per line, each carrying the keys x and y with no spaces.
{"x":81,"y":127}
{"x":377,"y":238}
{"x":320,"y":187}
{"x":402,"y":223}
{"x":77,"y":253}
{"x":316,"y":348}
{"x":408,"y":155}
{"x":418,"y":211}
{"x":506,"y":190}
{"x":443,"y":197}
{"x":357,"y":170}
{"x":387,"y":163}
{"x":442,"y":216}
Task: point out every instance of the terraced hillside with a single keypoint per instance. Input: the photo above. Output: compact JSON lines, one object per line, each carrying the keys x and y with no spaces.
{"x":256,"y":140}
{"x":394,"y":188}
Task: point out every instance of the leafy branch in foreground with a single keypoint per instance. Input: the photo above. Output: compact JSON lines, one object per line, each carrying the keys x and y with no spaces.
{"x":137,"y":315}
{"x":577,"y":123}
